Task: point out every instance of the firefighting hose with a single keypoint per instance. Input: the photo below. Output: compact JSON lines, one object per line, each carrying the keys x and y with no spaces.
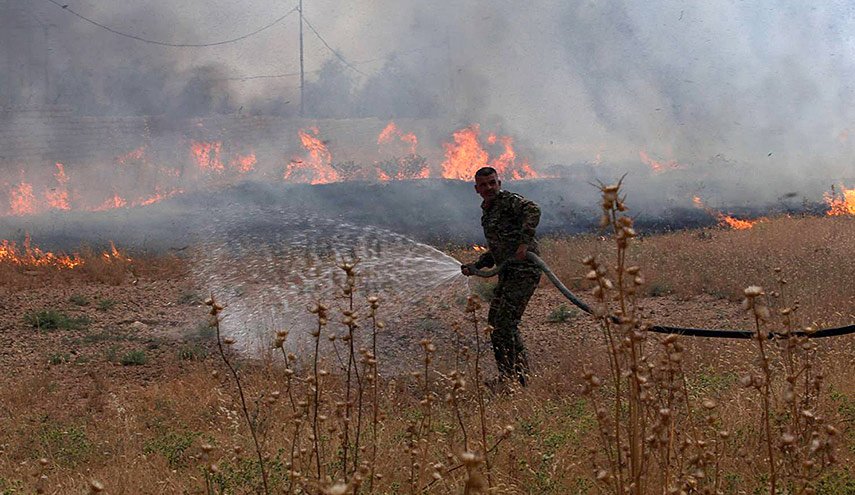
{"x":691,"y":332}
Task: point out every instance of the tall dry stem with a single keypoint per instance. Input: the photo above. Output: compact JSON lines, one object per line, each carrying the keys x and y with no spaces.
{"x":473,"y":304}
{"x":215,"y":311}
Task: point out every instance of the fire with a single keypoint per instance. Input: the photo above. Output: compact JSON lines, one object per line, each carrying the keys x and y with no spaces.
{"x":725,"y":220}
{"x":479,"y":249}
{"x":114,"y":202}
{"x":318,"y":168}
{"x":135,"y":155}
{"x":55,"y":189}
{"x":465,"y":156}
{"x":840,"y":205}
{"x":244,"y":163}
{"x":31,"y":256}
{"x":155,"y":198}
{"x":57,"y":198}
{"x":735,"y":223}
{"x":657,"y":166}
{"x":507,"y":160}
{"x":391,"y":130}
{"x":21,"y":199}
{"x":207,"y":155}
{"x":409,"y":166}
{"x":114,"y":255}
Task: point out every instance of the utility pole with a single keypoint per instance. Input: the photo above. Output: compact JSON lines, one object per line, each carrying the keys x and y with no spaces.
{"x":302,"y":80}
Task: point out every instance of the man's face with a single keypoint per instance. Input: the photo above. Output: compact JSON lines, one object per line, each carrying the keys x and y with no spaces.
{"x":487,"y":186}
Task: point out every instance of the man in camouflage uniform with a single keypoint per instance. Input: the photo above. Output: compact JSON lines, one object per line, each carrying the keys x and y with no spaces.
{"x":509,"y":222}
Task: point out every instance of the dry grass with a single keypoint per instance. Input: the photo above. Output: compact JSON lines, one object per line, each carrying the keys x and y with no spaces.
{"x":816,"y":255}
{"x":147,"y":435}
{"x":102,"y":267}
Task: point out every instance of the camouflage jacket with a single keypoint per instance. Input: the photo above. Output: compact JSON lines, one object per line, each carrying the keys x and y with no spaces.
{"x":509,"y":221}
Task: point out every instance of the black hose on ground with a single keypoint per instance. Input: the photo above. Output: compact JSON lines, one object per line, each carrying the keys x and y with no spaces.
{"x":689,"y":332}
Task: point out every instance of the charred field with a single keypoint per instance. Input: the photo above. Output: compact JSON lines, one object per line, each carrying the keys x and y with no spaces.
{"x":439,"y":212}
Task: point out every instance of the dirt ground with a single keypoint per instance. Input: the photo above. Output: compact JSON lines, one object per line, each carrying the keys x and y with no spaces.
{"x":136,"y":353}
{"x":166,"y":320}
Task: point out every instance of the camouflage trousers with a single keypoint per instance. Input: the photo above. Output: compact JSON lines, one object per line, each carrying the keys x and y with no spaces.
{"x":510,"y":298}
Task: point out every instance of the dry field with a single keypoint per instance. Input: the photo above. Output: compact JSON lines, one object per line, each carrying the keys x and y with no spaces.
{"x":113,"y":374}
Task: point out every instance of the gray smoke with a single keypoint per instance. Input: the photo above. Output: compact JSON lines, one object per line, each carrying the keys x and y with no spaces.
{"x":736,"y":99}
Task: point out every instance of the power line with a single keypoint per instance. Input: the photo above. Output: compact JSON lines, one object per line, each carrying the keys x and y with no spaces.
{"x":345,"y":62}
{"x":358,"y":62}
{"x":164,"y":43}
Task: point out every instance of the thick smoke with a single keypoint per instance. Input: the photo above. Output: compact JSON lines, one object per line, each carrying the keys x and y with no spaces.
{"x":737,"y":99}
{"x":680,"y":78}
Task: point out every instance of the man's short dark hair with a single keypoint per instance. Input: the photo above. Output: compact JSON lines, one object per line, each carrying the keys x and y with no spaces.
{"x":485,"y":171}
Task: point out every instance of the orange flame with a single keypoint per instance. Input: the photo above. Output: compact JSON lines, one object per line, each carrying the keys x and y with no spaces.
{"x":479,"y":249}
{"x":657,"y":166}
{"x":842,"y":205}
{"x":506,"y":162}
{"x":735,"y":223}
{"x":158,"y":196}
{"x":136,"y":155}
{"x":391,"y":130}
{"x":114,"y":255}
{"x":32,"y":256}
{"x":725,"y":220}
{"x":21,"y":199}
{"x":244,"y":163}
{"x":58,"y":198}
{"x":207,"y":155}
{"x":318,"y":168}
{"x":465,"y":156}
{"x":114,"y":202}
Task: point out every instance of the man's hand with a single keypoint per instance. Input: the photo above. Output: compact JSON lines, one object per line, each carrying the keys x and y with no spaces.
{"x":466,"y":270}
{"x":521,"y":252}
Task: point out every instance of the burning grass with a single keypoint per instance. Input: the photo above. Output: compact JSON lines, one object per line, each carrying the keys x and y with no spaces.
{"x":183,"y":427}
{"x":29,"y":266}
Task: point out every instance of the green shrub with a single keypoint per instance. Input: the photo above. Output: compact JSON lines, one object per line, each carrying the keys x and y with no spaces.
{"x":105,"y":304}
{"x":838,"y":482}
{"x":79,"y":300}
{"x":55,"y":359}
{"x":67,"y":445}
{"x":11,"y":487}
{"x":50,"y":319}
{"x":171,"y":445}
{"x":193,"y":352}
{"x":134,"y":358}
{"x":561,"y":314}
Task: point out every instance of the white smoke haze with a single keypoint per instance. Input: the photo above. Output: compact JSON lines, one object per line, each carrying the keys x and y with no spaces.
{"x":742,"y":102}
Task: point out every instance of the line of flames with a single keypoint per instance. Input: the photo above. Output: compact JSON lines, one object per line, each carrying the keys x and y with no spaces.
{"x":466,"y":152}
{"x":213,"y":160}
{"x":727,"y":220}
{"x":30,"y":256}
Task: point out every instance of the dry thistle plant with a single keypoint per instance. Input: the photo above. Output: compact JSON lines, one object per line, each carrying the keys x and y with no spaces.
{"x":644,"y":417}
{"x":350,"y":320}
{"x":250,"y":421}
{"x":473,"y":304}
{"x":800,"y":444}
